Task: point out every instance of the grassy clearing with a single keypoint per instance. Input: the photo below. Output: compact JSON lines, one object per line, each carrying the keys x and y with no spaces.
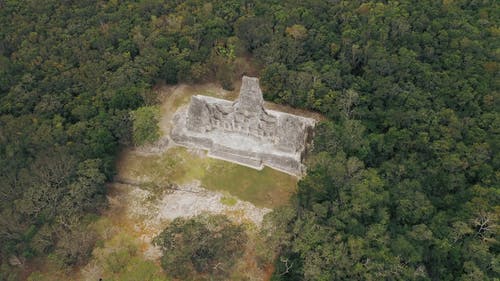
{"x":266,"y":188}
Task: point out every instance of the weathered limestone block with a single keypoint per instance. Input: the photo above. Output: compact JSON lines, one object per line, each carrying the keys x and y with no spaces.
{"x":246,"y":158}
{"x":244,"y":131}
{"x":250,"y":101}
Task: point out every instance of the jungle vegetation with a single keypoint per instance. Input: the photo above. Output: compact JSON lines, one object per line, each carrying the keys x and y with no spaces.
{"x":403,"y":181}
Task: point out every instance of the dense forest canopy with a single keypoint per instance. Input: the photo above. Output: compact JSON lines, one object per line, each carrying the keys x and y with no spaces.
{"x":403,"y":179}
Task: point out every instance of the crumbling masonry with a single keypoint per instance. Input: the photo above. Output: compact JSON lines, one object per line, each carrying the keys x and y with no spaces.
{"x":243,"y":131}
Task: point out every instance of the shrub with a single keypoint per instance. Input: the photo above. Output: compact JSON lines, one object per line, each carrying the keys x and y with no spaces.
{"x":201,"y":245}
{"x":145,"y":125}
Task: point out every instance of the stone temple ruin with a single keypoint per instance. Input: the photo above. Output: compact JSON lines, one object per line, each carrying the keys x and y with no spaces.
{"x":243,"y":131}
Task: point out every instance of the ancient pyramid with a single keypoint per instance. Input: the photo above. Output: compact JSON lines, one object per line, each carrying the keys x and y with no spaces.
{"x":243,"y":131}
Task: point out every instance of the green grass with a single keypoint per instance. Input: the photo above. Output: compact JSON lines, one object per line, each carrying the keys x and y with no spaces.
{"x":228,"y":201}
{"x":266,"y":188}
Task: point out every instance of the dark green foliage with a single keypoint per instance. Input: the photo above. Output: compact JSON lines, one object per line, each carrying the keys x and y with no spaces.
{"x":70,"y":74}
{"x":201,"y":245}
{"x":403,"y":179}
{"x":145,"y":125}
{"x":397,"y":184}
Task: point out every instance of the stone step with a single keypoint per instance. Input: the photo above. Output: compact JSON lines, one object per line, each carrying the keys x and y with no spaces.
{"x":241,"y":160}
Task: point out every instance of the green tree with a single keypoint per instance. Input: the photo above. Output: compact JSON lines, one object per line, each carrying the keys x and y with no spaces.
{"x":201,"y":245}
{"x":145,"y":125}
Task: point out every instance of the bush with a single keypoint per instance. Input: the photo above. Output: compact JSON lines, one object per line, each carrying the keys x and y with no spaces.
{"x":75,"y":247}
{"x":201,"y":245}
{"x":145,"y":125}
